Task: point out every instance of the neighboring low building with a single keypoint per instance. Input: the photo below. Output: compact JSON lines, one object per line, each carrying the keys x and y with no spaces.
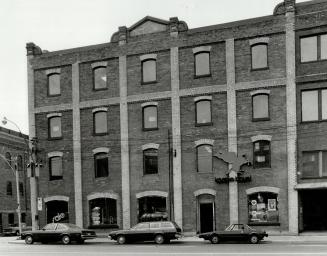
{"x":13,"y":155}
{"x":128,"y":129}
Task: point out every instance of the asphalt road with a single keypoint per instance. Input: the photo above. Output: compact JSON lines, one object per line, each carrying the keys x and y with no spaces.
{"x":99,"y":247}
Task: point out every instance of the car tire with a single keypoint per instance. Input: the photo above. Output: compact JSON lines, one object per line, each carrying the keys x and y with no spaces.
{"x":159,"y":239}
{"x":214,"y":239}
{"x":121,"y":239}
{"x":65,"y":239}
{"x":254,"y":239}
{"x":29,"y":239}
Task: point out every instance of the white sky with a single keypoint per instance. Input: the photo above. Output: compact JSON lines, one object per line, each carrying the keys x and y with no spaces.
{"x":62,"y":24}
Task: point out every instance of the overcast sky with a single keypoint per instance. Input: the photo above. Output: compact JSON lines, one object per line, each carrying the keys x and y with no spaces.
{"x":62,"y":24}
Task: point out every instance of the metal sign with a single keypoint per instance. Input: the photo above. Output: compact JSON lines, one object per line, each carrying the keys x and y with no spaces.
{"x":39,"y":203}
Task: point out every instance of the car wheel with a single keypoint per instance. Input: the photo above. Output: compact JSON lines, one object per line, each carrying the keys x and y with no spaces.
{"x":254,"y":239}
{"x":121,"y":239}
{"x":159,"y":239}
{"x":214,"y":239}
{"x":29,"y":239}
{"x":65,"y":239}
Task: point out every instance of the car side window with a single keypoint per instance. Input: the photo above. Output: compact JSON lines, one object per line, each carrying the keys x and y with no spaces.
{"x":61,"y":227}
{"x":51,"y":226}
{"x":167,"y":225}
{"x":154,"y":225}
{"x":142,"y":226}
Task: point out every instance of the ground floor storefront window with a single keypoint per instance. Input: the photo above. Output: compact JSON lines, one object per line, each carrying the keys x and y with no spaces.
{"x":152,"y":208}
{"x":263,"y":208}
{"x":57,"y":211}
{"x":103,"y":213}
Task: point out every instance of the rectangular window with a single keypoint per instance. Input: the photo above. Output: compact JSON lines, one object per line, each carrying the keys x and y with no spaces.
{"x":101,"y":165}
{"x":100,"y":122}
{"x":149,"y":71}
{"x":259,"y":56}
{"x":100,"y":78}
{"x":314,"y":164}
{"x":261,"y":154}
{"x":313,"y":48}
{"x":150,"y":159}
{"x":21,"y":188}
{"x":204,"y":158}
{"x":202,"y":64}
{"x":55,"y":127}
{"x":103,"y":211}
{"x":9,"y":188}
{"x":150,"y":120}
{"x":260,"y":107}
{"x":55,"y":168}
{"x":203,"y":112}
{"x":314,"y":105}
{"x":11,"y":218}
{"x":323,"y":44}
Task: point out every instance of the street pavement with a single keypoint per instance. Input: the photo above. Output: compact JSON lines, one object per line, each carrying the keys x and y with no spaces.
{"x":273,"y":245}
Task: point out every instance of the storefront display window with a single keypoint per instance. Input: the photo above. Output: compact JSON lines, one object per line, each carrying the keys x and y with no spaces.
{"x":263,"y":208}
{"x":152,"y":208}
{"x":103,"y":211}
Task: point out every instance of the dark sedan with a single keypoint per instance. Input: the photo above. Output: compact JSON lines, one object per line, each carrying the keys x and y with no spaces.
{"x":157,"y":231}
{"x":235,"y":232}
{"x":54,"y":232}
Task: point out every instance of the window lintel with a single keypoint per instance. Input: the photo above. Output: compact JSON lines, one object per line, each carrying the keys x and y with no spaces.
{"x":201,"y":49}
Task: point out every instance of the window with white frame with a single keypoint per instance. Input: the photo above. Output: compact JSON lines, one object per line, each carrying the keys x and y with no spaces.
{"x":314,"y":164}
{"x":314,"y":105}
{"x":313,"y":48}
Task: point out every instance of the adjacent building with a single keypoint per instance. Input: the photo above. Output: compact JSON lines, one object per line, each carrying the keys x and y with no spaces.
{"x":161,"y":121}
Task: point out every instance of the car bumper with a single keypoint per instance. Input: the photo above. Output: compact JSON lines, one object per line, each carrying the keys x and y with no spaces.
{"x":88,"y":236}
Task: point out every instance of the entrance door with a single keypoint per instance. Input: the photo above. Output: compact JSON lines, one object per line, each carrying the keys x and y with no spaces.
{"x":314,"y":210}
{"x":206,"y":217}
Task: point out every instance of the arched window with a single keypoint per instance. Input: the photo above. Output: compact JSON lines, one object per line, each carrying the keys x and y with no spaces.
{"x":202,"y":63}
{"x":150,"y":161}
{"x":261,"y":154}
{"x":55,"y":127}
{"x":55,"y":168}
{"x":54,"y":84}
{"x":100,"y":78}
{"x":8,"y":158}
{"x":103,"y":211}
{"x":260,"y":107}
{"x":259,"y":55}
{"x":100,"y":122}
{"x":204,"y":158}
{"x":150,"y":120}
{"x":149,"y":71}
{"x":9,"y":188}
{"x":101,"y":164}
{"x":203,"y":112}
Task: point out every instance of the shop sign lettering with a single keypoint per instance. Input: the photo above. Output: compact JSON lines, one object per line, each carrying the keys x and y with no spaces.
{"x":231,"y":179}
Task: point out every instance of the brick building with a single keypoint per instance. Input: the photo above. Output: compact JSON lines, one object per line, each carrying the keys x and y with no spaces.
{"x":128,"y":129}
{"x":13,"y":155}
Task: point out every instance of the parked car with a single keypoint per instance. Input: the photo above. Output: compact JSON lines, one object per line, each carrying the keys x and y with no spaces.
{"x":157,"y":231}
{"x":53,"y":232}
{"x":14,"y":230}
{"x":235,"y":232}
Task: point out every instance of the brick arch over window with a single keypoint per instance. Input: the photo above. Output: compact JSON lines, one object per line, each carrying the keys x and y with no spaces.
{"x":261,"y":137}
{"x":259,"y":40}
{"x":99,"y":64}
{"x":100,"y":150}
{"x":207,"y":191}
{"x":150,"y":145}
{"x":204,"y":141}
{"x":111,"y":195}
{"x":151,"y":193}
{"x":151,"y":103}
{"x":150,"y":56}
{"x":262,"y":189}
{"x":53,"y":71}
{"x":55,"y":153}
{"x":56,"y":198}
{"x":53,"y":115}
{"x":201,"y":49}
{"x":256,"y":92}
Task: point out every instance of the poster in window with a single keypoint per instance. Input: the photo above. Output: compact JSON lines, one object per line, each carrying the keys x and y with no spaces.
{"x":271,"y":204}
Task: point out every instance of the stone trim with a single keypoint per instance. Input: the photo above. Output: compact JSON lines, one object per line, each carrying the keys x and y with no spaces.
{"x":53,"y":114}
{"x":99,"y":64}
{"x":53,"y":71}
{"x":100,"y":150}
{"x":55,"y":153}
{"x":311,"y":185}
{"x":56,"y":198}
{"x":263,"y":40}
{"x":201,"y":49}
{"x":151,"y":193}
{"x":148,"y":56}
{"x":199,"y":98}
{"x":95,"y":195}
{"x":260,"y":92}
{"x":262,"y":189}
{"x":203,"y":141}
{"x":261,"y":137}
{"x":203,"y":191}
{"x":100,"y":109}
{"x":150,"y":145}
{"x":145,"y":104}
{"x":260,"y":84}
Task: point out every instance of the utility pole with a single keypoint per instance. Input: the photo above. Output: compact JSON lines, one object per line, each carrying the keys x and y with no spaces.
{"x":171,"y":196}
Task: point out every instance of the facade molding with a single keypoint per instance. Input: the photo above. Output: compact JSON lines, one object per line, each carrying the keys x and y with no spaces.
{"x":206,"y":48}
{"x":261,"y":137}
{"x":263,"y":40}
{"x":100,"y":109}
{"x":53,"y":115}
{"x":204,"y":142}
{"x":260,"y":84}
{"x":151,"y":103}
{"x":96,"y":195}
{"x":311,"y":185}
{"x":99,"y":64}
{"x":262,"y":189}
{"x":100,"y":150}
{"x":199,"y":98}
{"x":55,"y":153}
{"x":52,"y":71}
{"x":151,"y":193}
{"x":253,"y":93}
{"x":148,"y":56}
{"x":56,"y":198}
{"x":54,"y":108}
{"x":149,"y":146}
{"x":204,"y":191}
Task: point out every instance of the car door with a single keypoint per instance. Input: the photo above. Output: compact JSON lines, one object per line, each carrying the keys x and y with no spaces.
{"x":234,"y":233}
{"x":140,"y":232}
{"x":47,"y":232}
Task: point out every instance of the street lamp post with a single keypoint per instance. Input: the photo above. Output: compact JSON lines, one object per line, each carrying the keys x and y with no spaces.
{"x":33,"y":172}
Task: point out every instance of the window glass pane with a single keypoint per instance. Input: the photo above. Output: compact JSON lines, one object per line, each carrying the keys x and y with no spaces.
{"x":309,"y":105}
{"x":323,"y":44}
{"x":54,"y":84}
{"x":202,"y":66}
{"x":204,"y":158}
{"x":324,"y":104}
{"x":11,"y":218}
{"x":263,"y":207}
{"x":21,"y":188}
{"x":324,"y":163}
{"x":150,"y":161}
{"x":19,"y":163}
{"x":56,"y":167}
{"x":101,"y":165}
{"x":150,"y":117}
{"x":260,"y":106}
{"x":149,"y":70}
{"x":100,"y":78}
{"x":100,"y":122}
{"x":9,"y":188}
{"x":259,"y":56}
{"x":309,"y":48}
{"x":261,"y":154}
{"x":103,"y":211}
{"x":203,"y":112}
{"x":55,"y":127}
{"x":310,"y":166}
